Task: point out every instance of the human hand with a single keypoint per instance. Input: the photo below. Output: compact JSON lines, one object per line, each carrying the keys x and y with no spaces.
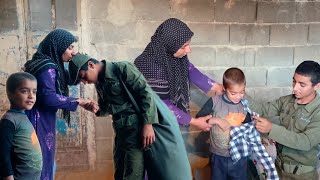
{"x":201,"y":122}
{"x":89,"y":105}
{"x":263,"y":125}
{"x":217,"y":88}
{"x":148,"y":136}
{"x":222,"y":123}
{"x":8,"y":178}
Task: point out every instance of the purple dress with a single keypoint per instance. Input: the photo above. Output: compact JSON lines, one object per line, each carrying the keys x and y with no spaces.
{"x":201,"y":81}
{"x":43,"y":117}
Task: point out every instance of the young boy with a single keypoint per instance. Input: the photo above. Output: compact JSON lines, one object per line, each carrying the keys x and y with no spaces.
{"x":20,"y":152}
{"x":226,"y":110}
{"x":298,"y":133}
{"x":147,"y":133}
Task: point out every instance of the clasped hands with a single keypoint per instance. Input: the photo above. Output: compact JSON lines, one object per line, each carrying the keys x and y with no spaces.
{"x":88,"y":104}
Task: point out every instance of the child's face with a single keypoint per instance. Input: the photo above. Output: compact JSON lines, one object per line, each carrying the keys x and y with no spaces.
{"x":89,"y":76}
{"x":24,"y":96}
{"x":235,"y":92}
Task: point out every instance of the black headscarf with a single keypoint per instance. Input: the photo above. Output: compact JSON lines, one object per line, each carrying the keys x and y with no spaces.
{"x":167,"y":75}
{"x":49,"y":55}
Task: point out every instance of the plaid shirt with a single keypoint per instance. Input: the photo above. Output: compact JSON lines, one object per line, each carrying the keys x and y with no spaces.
{"x":246,"y":139}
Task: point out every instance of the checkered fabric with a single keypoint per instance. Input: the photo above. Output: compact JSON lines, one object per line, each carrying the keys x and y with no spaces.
{"x":245,"y":140}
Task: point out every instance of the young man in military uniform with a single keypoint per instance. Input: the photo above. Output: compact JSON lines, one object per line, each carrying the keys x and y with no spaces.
{"x":298,"y":134}
{"x":147,"y":135}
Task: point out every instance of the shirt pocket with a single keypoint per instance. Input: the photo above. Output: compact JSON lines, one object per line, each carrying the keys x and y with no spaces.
{"x":301,"y":124}
{"x":115,"y":89}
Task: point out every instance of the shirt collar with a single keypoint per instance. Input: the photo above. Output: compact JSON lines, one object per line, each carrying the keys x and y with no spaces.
{"x":312,"y":105}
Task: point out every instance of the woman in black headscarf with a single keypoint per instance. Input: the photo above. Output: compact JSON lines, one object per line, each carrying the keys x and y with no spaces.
{"x":165,"y":65}
{"x":47,"y":65}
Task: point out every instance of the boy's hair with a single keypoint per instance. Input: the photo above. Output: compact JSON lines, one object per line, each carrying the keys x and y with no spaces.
{"x":77,"y":63}
{"x":310,"y":69}
{"x":233,"y":76}
{"x":15,"y":79}
{"x":85,"y":66}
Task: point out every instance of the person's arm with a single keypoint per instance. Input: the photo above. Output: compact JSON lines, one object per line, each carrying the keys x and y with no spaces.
{"x":182,"y":117}
{"x":6,"y":138}
{"x":47,"y":95}
{"x":203,"y":82}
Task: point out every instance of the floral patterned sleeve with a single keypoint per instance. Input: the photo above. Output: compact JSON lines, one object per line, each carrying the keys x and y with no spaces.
{"x":47,"y":96}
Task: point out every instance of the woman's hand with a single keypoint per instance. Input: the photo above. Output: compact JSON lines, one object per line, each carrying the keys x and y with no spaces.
{"x":148,"y":136}
{"x":201,"y":123}
{"x":88,"y":104}
{"x":222,"y":123}
{"x":217,"y":89}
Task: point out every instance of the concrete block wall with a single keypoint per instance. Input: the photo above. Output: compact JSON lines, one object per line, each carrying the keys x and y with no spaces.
{"x":265,"y":38}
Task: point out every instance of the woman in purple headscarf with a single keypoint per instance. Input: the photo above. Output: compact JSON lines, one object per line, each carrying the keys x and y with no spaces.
{"x":52,"y":92}
{"x":166,"y":66}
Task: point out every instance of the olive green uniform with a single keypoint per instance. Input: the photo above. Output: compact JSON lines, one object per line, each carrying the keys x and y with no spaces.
{"x":297,"y":135}
{"x":128,"y":153}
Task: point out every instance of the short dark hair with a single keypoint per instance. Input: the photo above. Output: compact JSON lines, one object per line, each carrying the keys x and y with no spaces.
{"x":85,"y":66}
{"x":15,"y":80}
{"x":233,"y":76}
{"x":310,"y":69}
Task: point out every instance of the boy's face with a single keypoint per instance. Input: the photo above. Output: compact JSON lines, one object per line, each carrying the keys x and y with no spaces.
{"x":89,"y":76}
{"x":235,"y":92}
{"x":303,"y":89}
{"x":24,"y":96}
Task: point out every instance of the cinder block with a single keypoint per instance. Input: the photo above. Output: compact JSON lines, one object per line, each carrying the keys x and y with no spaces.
{"x":210,"y":34}
{"x":66,"y":14}
{"x":255,"y":77}
{"x":193,"y":10}
{"x":289,"y":34}
{"x":103,"y":31}
{"x":242,"y":11}
{"x":202,"y":56}
{"x":280,"y":77}
{"x":40,"y":15}
{"x":314,"y":34}
{"x":153,"y":10}
{"x":249,"y":57}
{"x":274,"y":56}
{"x":230,"y":57}
{"x":8,"y":16}
{"x":270,"y":94}
{"x":276,"y":12}
{"x":249,"y":34}
{"x":306,"y":53}
{"x":308,"y":12}
{"x":143,"y":32}
{"x":216,"y":73}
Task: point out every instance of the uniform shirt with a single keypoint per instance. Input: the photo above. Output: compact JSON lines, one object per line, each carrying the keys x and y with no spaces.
{"x":299,"y":130}
{"x":20,"y":152}
{"x":114,"y":100}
